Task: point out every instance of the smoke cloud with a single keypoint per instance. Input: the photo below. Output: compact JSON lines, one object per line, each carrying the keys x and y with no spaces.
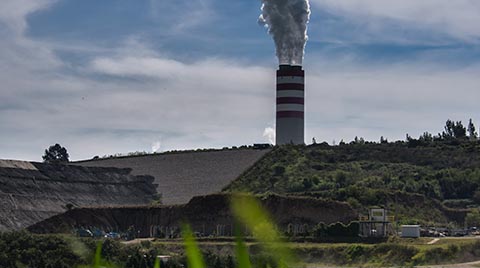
{"x":269,"y":134}
{"x":156,"y":146}
{"x":287,"y":21}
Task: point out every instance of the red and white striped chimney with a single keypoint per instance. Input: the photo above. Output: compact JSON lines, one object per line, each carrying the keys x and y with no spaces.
{"x":290,"y":124}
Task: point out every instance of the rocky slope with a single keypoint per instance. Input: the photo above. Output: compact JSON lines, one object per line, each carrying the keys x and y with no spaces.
{"x":31,"y":192}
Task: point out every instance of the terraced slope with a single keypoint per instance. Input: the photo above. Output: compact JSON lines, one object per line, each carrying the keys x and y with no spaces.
{"x":181,"y":176}
{"x":31,"y":192}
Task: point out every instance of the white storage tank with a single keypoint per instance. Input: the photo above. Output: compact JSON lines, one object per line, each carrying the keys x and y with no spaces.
{"x":410,"y":231}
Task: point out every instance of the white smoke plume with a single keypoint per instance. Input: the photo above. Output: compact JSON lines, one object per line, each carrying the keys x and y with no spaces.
{"x":269,"y":134}
{"x":156,"y":146}
{"x":287,"y":21}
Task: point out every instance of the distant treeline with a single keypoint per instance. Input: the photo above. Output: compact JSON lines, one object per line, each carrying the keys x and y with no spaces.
{"x":454,"y":133}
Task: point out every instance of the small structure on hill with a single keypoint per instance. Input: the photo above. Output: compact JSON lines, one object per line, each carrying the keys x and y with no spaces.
{"x":376,"y":224}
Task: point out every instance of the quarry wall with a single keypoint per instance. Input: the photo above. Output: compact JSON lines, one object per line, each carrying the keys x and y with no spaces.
{"x":208,"y":215}
{"x":31,"y":192}
{"x":183,"y":175}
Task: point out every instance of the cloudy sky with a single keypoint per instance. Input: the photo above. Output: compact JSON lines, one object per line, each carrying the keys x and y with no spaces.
{"x":116,"y":76}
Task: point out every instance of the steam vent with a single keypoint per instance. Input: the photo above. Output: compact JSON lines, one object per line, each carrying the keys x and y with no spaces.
{"x":290,"y":105}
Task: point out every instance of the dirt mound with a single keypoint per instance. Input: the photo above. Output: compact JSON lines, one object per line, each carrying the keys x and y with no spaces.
{"x":183,"y":175}
{"x":207,"y":215}
{"x":31,"y":192}
{"x":16,"y":164}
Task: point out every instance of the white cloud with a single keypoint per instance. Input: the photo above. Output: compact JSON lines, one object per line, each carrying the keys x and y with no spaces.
{"x":14,"y":12}
{"x":216,"y":103}
{"x":183,"y":15}
{"x":209,"y":103}
{"x":458,"y":18}
{"x":389,"y":102}
{"x":129,"y":96}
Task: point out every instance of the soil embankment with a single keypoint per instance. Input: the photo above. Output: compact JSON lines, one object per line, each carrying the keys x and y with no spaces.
{"x":31,"y":192}
{"x":206,"y":214}
{"x":182,"y":175}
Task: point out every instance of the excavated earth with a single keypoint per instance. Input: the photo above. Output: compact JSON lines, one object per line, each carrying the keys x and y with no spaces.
{"x":31,"y":192}
{"x":182,"y":175}
{"x":207,"y":215}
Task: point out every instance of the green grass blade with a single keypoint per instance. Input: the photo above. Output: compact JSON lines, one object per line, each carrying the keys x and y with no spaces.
{"x":241,"y":251}
{"x":98,"y":256}
{"x":157,"y":262}
{"x":249,"y":211}
{"x":194,"y":256}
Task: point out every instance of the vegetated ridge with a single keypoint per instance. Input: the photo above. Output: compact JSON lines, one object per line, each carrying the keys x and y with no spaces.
{"x":31,"y":192}
{"x":425,"y":180}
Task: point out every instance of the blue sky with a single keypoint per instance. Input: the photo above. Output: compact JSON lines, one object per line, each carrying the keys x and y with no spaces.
{"x":115,"y":76}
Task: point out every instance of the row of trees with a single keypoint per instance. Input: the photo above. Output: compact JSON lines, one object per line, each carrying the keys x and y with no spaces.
{"x":453,"y":131}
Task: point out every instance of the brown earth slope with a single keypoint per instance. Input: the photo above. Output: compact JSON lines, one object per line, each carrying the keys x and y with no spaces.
{"x":183,"y":175}
{"x":31,"y":192}
{"x":206,"y":214}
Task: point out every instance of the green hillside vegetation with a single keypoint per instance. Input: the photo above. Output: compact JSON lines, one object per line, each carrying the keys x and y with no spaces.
{"x":429,"y":179}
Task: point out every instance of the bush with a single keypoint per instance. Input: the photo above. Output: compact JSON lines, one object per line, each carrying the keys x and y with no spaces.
{"x":24,"y":249}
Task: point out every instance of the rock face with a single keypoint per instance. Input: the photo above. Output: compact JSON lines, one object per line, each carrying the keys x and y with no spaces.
{"x":31,"y":192}
{"x":181,"y":176}
{"x":206,"y":214}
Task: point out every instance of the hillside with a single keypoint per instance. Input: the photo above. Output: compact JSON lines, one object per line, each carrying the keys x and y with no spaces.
{"x":31,"y":192}
{"x":417,"y":181}
{"x":183,"y":175}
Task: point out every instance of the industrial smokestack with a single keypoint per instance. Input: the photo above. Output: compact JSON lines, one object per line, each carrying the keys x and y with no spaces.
{"x":290,"y":122}
{"x":287,"y":22}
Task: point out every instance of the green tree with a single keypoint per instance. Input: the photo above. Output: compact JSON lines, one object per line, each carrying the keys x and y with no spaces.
{"x":426,"y":137}
{"x":56,"y":154}
{"x":448,"y":132}
{"x":473,"y":218}
{"x":472,"y":133}
{"x":476,"y":197}
{"x":454,"y":130}
{"x":459,"y":131}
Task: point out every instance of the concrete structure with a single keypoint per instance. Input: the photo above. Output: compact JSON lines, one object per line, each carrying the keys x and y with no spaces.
{"x":290,"y":124}
{"x":410,"y":231}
